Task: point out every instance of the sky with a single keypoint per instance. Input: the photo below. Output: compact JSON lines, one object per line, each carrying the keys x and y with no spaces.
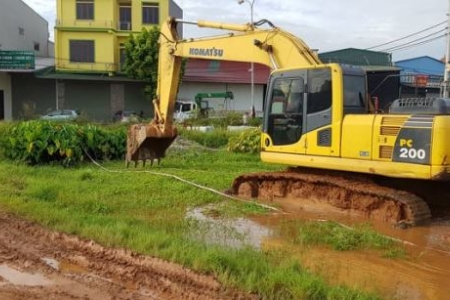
{"x":326,"y":25}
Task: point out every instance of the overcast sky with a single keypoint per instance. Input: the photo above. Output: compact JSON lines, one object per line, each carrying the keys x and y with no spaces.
{"x":325,"y":25}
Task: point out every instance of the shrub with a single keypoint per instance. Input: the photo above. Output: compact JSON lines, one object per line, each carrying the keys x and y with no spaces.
{"x":4,"y":128}
{"x":247,"y":141}
{"x":45,"y":142}
{"x":102,"y":143}
{"x":223,"y":120}
{"x":211,"y":139}
{"x":42,"y":142}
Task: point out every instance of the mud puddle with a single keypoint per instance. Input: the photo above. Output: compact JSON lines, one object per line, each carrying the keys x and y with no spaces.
{"x":16,"y":277}
{"x":234,"y":233}
{"x":422,"y":274}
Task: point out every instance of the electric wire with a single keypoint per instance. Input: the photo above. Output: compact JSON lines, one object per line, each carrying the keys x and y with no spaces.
{"x":413,"y":41}
{"x":419,"y":43}
{"x":408,"y":36}
{"x":241,"y":200}
{"x":101,"y":167}
{"x":184,"y":181}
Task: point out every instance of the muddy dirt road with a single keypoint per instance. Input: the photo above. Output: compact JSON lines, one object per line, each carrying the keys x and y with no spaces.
{"x":38,"y":264}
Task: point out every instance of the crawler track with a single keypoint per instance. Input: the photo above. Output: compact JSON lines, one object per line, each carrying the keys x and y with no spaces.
{"x":375,"y":198}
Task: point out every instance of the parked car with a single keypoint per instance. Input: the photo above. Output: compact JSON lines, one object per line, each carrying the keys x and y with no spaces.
{"x":61,"y":114}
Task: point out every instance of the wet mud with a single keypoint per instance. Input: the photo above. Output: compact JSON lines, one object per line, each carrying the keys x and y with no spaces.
{"x":422,"y":274}
{"x":365,"y":194}
{"x":39,"y":264}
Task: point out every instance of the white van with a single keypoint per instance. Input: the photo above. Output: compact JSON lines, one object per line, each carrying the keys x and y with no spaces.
{"x":184,"y":110}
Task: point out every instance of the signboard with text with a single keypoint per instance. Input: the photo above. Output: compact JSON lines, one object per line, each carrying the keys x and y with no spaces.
{"x":17,"y":60}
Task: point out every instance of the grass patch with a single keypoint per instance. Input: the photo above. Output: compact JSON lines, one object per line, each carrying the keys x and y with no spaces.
{"x":231,"y":209}
{"x":146,"y":213}
{"x":340,"y":238}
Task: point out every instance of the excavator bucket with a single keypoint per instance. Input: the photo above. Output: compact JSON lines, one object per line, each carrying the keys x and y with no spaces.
{"x":148,"y":143}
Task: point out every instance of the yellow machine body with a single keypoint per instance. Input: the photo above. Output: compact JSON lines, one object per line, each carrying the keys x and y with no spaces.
{"x":315,"y":115}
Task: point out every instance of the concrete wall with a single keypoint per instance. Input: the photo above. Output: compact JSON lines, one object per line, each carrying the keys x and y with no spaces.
{"x":104,"y":30}
{"x":15,"y":15}
{"x":241,"y":92}
{"x":104,"y":54}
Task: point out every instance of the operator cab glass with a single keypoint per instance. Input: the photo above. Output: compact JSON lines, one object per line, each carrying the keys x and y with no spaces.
{"x":298,"y":101}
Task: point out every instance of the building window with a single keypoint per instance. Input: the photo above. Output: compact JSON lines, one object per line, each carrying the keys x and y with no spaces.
{"x":36,"y":47}
{"x":82,"y":51}
{"x":21,"y":31}
{"x":125,"y":16}
{"x":85,"y":9}
{"x":150,"y":13}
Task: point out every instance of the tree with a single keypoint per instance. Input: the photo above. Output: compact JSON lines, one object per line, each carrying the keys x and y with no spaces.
{"x":141,"y":59}
{"x":141,"y":62}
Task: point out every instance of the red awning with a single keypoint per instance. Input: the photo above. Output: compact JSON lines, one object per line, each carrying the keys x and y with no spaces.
{"x":201,"y":70}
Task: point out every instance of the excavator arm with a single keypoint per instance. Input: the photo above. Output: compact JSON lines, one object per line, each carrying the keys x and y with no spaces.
{"x":272,"y":47}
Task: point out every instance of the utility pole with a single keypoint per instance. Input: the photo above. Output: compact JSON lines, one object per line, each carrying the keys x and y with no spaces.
{"x":252,"y":65}
{"x":446,"y":84}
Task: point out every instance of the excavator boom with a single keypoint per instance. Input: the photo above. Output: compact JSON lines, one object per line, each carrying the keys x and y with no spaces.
{"x":272,"y":47}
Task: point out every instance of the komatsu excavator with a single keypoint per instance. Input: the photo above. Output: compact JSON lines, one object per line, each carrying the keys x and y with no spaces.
{"x":319,"y":121}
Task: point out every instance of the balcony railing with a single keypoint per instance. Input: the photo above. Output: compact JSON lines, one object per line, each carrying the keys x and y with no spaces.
{"x":96,"y":67}
{"x":124,"y":26}
{"x":107,"y":24}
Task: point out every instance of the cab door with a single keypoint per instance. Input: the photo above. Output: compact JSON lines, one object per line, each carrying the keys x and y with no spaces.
{"x":284,"y":114}
{"x":318,"y":118}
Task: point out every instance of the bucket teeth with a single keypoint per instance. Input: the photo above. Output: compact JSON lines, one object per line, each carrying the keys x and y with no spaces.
{"x":145,"y":142}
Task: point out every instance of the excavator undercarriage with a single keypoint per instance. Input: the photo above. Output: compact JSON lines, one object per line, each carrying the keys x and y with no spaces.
{"x":400,"y":202}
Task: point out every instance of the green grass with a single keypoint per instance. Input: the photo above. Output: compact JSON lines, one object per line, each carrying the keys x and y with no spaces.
{"x":342,"y":238}
{"x":146,"y":213}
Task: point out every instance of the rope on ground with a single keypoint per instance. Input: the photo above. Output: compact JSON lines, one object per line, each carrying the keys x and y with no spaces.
{"x":187,"y":182}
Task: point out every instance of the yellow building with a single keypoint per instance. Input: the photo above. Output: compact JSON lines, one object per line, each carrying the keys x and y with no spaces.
{"x":90,"y":34}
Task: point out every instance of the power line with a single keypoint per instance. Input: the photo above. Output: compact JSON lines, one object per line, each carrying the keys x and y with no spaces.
{"x":420,"y":43}
{"x":408,"y":36}
{"x":413,"y":41}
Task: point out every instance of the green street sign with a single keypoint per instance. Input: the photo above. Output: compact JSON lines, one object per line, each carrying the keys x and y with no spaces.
{"x":17,"y":60}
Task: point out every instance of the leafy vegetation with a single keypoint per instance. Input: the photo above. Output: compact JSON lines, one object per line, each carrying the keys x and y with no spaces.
{"x":213,"y":139}
{"x":141,"y":58}
{"x":247,"y":141}
{"x":223,"y":120}
{"x":68,"y":144}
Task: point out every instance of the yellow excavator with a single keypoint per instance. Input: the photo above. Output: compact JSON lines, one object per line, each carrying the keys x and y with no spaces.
{"x":319,"y":121}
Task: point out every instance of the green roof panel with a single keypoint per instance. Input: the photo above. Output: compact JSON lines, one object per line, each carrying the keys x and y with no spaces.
{"x":357,"y":57}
